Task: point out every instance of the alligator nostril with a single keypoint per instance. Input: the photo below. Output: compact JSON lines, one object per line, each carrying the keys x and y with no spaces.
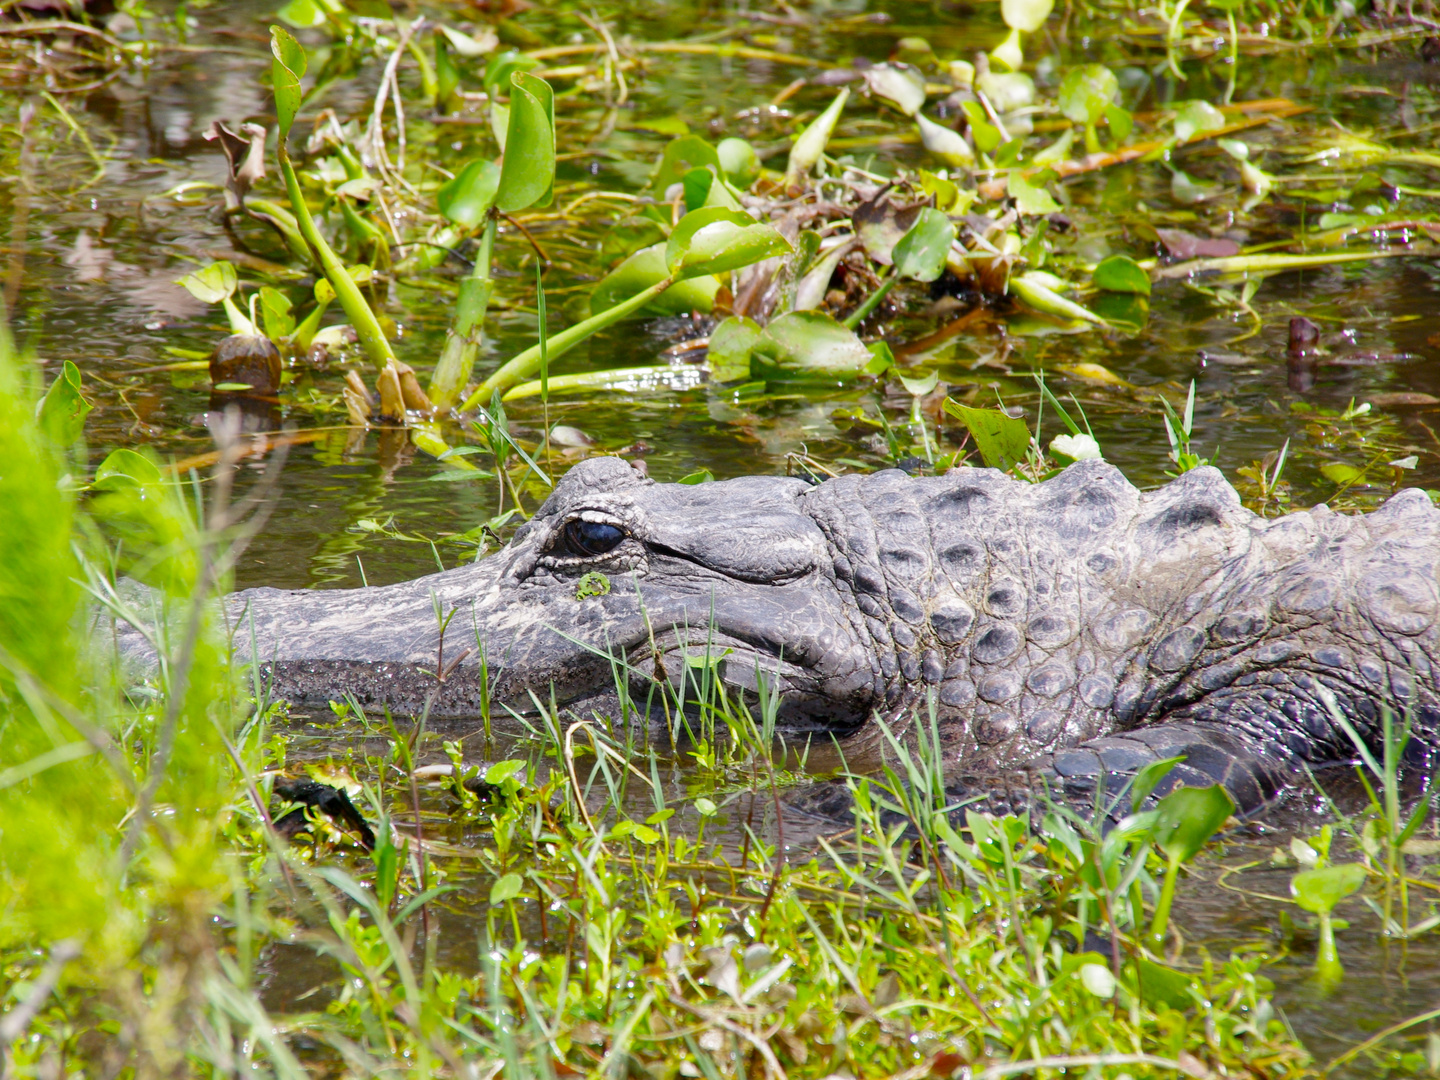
{"x":592,"y":537}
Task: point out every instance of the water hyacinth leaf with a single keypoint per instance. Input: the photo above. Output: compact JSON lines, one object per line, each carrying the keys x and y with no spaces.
{"x":730,"y":346}
{"x":504,"y":64}
{"x":645,"y":269}
{"x":810,"y":343}
{"x":1003,"y":440}
{"x":286,"y":70}
{"x":738,"y":161}
{"x":701,"y":475}
{"x":1188,"y":817}
{"x":527,"y":174}
{"x":1008,"y":55}
{"x":1122,"y":274}
{"x":1031,"y":198}
{"x":1318,"y":891}
{"x":62,"y":411}
{"x":1026,"y":15}
{"x":506,"y":887}
{"x":1339,"y":473}
{"x":920,"y":254}
{"x":1120,"y":121}
{"x":985,"y":134}
{"x":276,"y":313}
{"x":1034,"y":291}
{"x":921,"y":386}
{"x":125,"y":468}
{"x":1196,"y":118}
{"x":715,"y":239}
{"x":1086,"y":91}
{"x":1007,"y":91}
{"x":946,"y":144}
{"x":882,"y":358}
{"x":301,"y":14}
{"x":467,"y":198}
{"x":680,"y":157}
{"x":810,"y":146}
{"x":902,"y":85}
{"x":211,"y":284}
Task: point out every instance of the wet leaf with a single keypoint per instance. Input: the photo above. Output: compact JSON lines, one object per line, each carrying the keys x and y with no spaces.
{"x":811,"y":343}
{"x":527,"y":174}
{"x":680,"y":157}
{"x":715,"y":239}
{"x":1031,"y":198}
{"x":1196,"y":118}
{"x":63,"y":409}
{"x":1003,"y":440}
{"x":275,"y":313}
{"x":1318,"y":891}
{"x":1026,"y":15}
{"x":125,"y":468}
{"x":286,"y":71}
{"x":1120,"y":273}
{"x":1339,"y":473}
{"x":900,"y":84}
{"x":1184,"y":245}
{"x":1035,"y":291}
{"x":211,"y":284}
{"x":506,"y":887}
{"x":738,"y":161}
{"x":881,"y":223}
{"x":920,"y":254}
{"x":644,"y":269}
{"x":810,"y":146}
{"x":1086,"y":92}
{"x":1188,"y":817}
{"x":467,"y":198}
{"x":730,"y":345}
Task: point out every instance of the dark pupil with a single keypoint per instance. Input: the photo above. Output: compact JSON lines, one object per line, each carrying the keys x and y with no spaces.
{"x":592,"y":537}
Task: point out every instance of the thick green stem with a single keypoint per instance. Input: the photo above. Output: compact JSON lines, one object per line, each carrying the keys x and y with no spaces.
{"x":367,"y":327}
{"x":857,"y":316}
{"x":527,"y":363}
{"x":462,"y":343}
{"x":1161,"y":922}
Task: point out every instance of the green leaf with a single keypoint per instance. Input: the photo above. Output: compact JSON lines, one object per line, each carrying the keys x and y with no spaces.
{"x":1188,"y":817}
{"x":1150,"y":775}
{"x":1026,"y":15}
{"x":286,"y":70}
{"x":949,"y":145}
{"x":275,"y":313}
{"x":985,"y":134}
{"x":902,"y":85}
{"x":125,"y":468}
{"x":679,"y":157}
{"x":527,"y":175}
{"x":63,"y":409}
{"x":1030,"y":198}
{"x":211,"y":284}
{"x":506,"y":887}
{"x":920,"y":254}
{"x":921,"y":386}
{"x":504,"y":64}
{"x":1161,"y":985}
{"x":1126,"y":312}
{"x":1003,"y":440}
{"x":1120,"y":121}
{"x":811,"y":343}
{"x":701,"y":475}
{"x":503,"y":770}
{"x":1120,"y":273}
{"x":1086,"y":92}
{"x":644,"y":269}
{"x":1339,"y":473}
{"x":713,"y":240}
{"x":1318,"y":891}
{"x":301,"y":14}
{"x":730,"y":345}
{"x":810,"y":146}
{"x":738,"y":161}
{"x":1195,"y":118}
{"x":467,"y":198}
{"x":882,"y":358}
{"x":447,"y":75}
{"x":1035,"y":292}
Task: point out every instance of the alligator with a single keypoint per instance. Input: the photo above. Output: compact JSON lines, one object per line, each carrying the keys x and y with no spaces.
{"x":1065,"y":633}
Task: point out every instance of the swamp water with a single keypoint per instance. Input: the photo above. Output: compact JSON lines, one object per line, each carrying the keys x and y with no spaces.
{"x":96,"y":235}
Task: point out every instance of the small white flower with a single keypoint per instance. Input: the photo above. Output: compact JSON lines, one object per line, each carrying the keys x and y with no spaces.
{"x":1075,"y":447}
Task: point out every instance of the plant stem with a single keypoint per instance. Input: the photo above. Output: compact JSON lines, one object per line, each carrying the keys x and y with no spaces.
{"x":462,"y":342}
{"x":525,"y":364}
{"x":1161,"y":922}
{"x":857,"y":316}
{"x":367,"y":327}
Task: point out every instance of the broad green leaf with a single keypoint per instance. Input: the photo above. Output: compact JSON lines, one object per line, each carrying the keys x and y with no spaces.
{"x":921,"y":386}
{"x":211,"y":284}
{"x":275,"y":313}
{"x":527,"y":174}
{"x":920,"y":254}
{"x":63,"y":409}
{"x":810,"y":146}
{"x":1007,"y":91}
{"x":506,"y":887}
{"x":302,"y":14}
{"x":125,"y":468}
{"x":1120,"y":121}
{"x":1003,"y":440}
{"x":644,"y":269}
{"x":701,"y":475}
{"x":1161,"y":985}
{"x":467,"y":198}
{"x":1188,"y":817}
{"x":900,"y":84}
{"x":882,"y":358}
{"x":730,"y":345}
{"x":503,"y":770}
{"x":1026,"y":15}
{"x":1031,"y":198}
{"x":946,"y":144}
{"x":1195,"y":118}
{"x":504,"y":64}
{"x":680,"y":156}
{"x":1339,"y":473}
{"x":738,"y":161}
{"x":985,"y":134}
{"x":286,"y":70}
{"x":1127,"y":312}
{"x":1148,"y":776}
{"x":447,"y":75}
{"x":1008,"y":55}
{"x":714,"y":239}
{"x":697,"y":184}
{"x":1086,"y":91}
{"x":811,"y":343}
{"x":1318,"y":891}
{"x":1120,"y":273}
{"x":1035,"y":291}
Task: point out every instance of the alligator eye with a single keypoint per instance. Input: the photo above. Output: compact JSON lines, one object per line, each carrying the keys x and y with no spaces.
{"x":592,"y":537}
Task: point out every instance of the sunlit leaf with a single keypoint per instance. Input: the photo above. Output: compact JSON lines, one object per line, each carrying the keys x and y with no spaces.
{"x":1035,"y":292}
{"x":527,"y":174}
{"x":1120,"y":121}
{"x":715,"y":239}
{"x":1086,"y":91}
{"x":125,"y":467}
{"x":1003,"y":440}
{"x":731,"y":343}
{"x":810,"y":146}
{"x":921,"y":252}
{"x":1070,"y":448}
{"x":1026,"y":15}
{"x":286,"y":70}
{"x":680,"y":157}
{"x":985,"y":134}
{"x":1318,"y":891}
{"x":301,"y":14}
{"x":467,"y":198}
{"x":275,"y":313}
{"x":1031,"y":198}
{"x":1007,"y":90}
{"x":506,"y":887}
{"x":1195,"y":118}
{"x":1339,"y":473}
{"x":504,"y":64}
{"x":738,"y":161}
{"x":900,"y":84}
{"x":646,"y":268}
{"x":1120,"y":273}
{"x":1188,"y":817}
{"x":811,"y":343}
{"x":63,"y":409}
{"x":211,"y":284}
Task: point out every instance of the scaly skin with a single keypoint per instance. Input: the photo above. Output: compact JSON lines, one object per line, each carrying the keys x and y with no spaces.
{"x":1069,"y":631}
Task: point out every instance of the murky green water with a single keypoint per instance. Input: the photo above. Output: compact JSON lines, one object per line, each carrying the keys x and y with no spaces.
{"x":92,"y":256}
